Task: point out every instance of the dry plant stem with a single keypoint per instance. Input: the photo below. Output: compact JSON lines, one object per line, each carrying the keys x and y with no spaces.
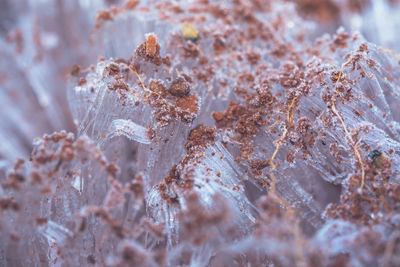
{"x":289,"y":121}
{"x":81,"y":71}
{"x":353,"y":144}
{"x":391,"y":52}
{"x":144,"y":87}
{"x":273,"y":166}
{"x":275,"y":123}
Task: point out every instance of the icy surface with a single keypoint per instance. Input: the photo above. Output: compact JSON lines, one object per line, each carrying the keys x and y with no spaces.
{"x":205,"y":133}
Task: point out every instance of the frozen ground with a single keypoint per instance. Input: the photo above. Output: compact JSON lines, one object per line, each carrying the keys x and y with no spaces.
{"x":199,"y":133}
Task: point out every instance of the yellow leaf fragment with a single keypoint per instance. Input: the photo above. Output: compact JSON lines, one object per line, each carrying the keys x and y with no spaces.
{"x":189,"y":32}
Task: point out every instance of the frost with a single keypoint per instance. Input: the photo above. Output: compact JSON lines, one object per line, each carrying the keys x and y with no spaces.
{"x":199,"y":133}
{"x":129,"y":129}
{"x":55,"y":232}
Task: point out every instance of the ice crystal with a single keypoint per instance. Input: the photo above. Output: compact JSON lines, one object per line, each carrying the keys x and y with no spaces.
{"x":225,"y":133}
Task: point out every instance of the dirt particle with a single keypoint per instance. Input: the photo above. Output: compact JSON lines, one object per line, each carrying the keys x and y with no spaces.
{"x":41,"y":221}
{"x":179,"y":87}
{"x":188,"y":104}
{"x":91,"y":259}
{"x":76,"y":69}
{"x":151,"y":45}
{"x":200,"y":136}
{"x":132,"y":4}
